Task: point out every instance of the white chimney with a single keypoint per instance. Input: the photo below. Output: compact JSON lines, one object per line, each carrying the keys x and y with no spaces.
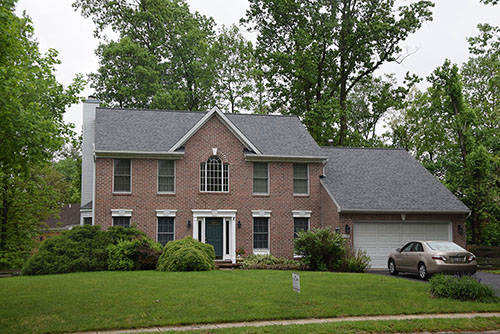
{"x":89,"y":107}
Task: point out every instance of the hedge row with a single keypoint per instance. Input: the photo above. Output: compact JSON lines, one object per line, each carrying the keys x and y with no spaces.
{"x":88,"y":248}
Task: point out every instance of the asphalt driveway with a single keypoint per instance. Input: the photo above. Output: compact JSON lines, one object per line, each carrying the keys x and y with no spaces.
{"x":492,"y":280}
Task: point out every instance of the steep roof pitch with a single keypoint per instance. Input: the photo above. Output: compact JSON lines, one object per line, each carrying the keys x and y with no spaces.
{"x":384,"y":180}
{"x":129,"y":130}
{"x":69,"y":216}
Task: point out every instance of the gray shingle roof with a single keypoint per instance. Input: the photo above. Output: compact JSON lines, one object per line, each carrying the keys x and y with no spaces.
{"x":277,"y":135}
{"x":158,"y":130}
{"x":385,"y":179}
{"x":141,"y":130}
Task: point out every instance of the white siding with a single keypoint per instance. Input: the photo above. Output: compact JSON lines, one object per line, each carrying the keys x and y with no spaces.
{"x":89,"y":107}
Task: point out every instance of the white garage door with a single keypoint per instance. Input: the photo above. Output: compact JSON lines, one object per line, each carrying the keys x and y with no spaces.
{"x":381,"y":239}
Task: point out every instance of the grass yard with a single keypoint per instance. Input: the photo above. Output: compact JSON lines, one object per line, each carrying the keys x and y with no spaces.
{"x":383,"y":326}
{"x":494,"y":271}
{"x":108,"y":300}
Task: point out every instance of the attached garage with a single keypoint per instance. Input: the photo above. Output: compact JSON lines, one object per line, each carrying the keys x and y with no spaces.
{"x":379,"y":239}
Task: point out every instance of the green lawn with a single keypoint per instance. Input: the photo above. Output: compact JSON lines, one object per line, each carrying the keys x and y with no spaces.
{"x":397,"y":326}
{"x":494,"y":271}
{"x":106,"y":300}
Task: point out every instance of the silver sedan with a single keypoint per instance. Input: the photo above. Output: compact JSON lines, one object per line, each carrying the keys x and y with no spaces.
{"x":429,"y":257}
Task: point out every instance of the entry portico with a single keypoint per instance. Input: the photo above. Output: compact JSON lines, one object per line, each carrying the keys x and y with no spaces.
{"x":207,"y":229}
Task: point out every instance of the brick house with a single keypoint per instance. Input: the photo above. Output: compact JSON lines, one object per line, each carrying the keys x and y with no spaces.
{"x":240,"y":181}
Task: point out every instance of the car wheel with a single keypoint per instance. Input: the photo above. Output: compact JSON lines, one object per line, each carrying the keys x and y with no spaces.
{"x":422,"y":271}
{"x":392,"y":268}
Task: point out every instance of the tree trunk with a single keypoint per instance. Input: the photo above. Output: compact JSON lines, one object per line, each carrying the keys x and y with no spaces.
{"x":3,"y":218}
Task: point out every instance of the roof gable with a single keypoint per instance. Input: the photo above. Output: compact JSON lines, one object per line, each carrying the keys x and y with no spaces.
{"x":234,"y":130}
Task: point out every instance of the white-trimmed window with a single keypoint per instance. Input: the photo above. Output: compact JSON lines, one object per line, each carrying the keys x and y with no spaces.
{"x":121,"y":217}
{"x":300,"y":224}
{"x":166,"y":229}
{"x":261,"y":231}
{"x":87,"y":220}
{"x":165,"y":226}
{"x":122,"y":172}
{"x":214,"y":175}
{"x":121,"y":221}
{"x":166,"y":176}
{"x":261,"y":178}
{"x":300,"y":179}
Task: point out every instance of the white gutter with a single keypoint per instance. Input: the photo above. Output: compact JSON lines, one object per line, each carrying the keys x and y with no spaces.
{"x":139,"y":154}
{"x":284,"y":158}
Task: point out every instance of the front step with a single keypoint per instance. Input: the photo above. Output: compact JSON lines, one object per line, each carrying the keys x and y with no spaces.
{"x":226,"y":265}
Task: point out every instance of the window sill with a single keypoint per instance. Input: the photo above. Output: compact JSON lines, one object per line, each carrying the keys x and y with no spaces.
{"x":165,"y":194}
{"x":122,"y":194}
{"x":261,"y":251}
{"x":301,"y":195}
{"x":260,"y":195}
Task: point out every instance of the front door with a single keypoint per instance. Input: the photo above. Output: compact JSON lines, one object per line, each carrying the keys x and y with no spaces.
{"x":213,"y":235}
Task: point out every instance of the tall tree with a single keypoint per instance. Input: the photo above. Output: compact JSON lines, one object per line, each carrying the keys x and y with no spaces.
{"x":234,"y":63}
{"x":318,"y":51}
{"x":161,"y":59}
{"x":452,"y":138}
{"x":31,"y":131}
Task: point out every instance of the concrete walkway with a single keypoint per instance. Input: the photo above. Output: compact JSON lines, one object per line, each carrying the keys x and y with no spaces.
{"x":302,"y":322}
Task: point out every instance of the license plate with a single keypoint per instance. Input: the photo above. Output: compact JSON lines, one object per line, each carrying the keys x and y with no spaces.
{"x":457,"y":258}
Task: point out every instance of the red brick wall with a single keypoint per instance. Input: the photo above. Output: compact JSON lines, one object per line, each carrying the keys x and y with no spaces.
{"x":144,"y":199}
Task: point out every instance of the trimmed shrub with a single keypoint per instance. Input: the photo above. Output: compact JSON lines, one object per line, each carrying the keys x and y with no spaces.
{"x":269,"y":262}
{"x":355,"y":261}
{"x":320,"y":249}
{"x":122,"y":255}
{"x":462,"y":288}
{"x":84,"y":248}
{"x":187,"y":255}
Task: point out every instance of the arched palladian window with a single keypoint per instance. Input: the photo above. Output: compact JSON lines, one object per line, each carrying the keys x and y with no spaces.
{"x":214,"y":175}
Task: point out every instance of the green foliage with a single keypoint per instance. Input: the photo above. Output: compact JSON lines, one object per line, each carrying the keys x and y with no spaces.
{"x":121,"y":256}
{"x":162,"y":56}
{"x":269,"y":262}
{"x":32,"y":129}
{"x":355,"y":261}
{"x":234,"y":65}
{"x":315,"y":53}
{"x":87,"y":248}
{"x":187,"y":254}
{"x":462,"y":288}
{"x":320,"y":249}
{"x":452,"y":128}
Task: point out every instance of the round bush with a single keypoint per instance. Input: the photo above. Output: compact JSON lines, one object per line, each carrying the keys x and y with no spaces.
{"x":321,"y":249}
{"x":461,"y":288}
{"x":187,"y":255}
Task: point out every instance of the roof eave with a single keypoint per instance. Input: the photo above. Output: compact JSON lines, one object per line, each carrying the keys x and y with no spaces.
{"x":402,"y":211}
{"x":284,"y":158}
{"x":138,"y":154}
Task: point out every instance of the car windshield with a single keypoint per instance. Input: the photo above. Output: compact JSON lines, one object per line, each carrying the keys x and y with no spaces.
{"x":445,"y":246}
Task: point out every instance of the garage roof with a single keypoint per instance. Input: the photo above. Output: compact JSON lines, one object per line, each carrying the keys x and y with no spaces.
{"x":384,"y":180}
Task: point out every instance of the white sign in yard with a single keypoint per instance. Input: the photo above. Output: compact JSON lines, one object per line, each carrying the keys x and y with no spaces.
{"x":296,"y":282}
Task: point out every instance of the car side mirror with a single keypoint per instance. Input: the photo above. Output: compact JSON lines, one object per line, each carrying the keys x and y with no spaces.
{"x":398,"y":250}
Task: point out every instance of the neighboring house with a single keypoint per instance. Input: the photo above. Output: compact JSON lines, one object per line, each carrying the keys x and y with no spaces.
{"x":68,"y":216}
{"x":251,"y":181}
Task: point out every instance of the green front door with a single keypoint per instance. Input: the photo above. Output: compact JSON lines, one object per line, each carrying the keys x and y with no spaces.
{"x":213,"y":235}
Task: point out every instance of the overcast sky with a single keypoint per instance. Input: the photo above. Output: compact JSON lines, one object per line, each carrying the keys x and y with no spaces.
{"x":58,"y":26}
